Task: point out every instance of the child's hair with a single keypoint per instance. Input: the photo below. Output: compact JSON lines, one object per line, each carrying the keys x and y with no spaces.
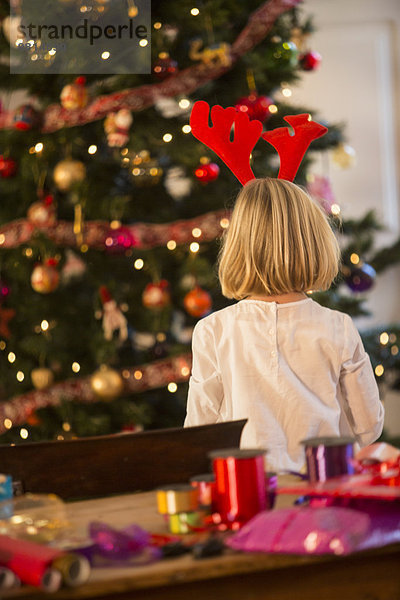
{"x":279,"y":240}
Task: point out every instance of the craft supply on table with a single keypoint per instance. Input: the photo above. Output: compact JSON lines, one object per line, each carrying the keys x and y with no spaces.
{"x":6,"y":487}
{"x":328,"y":530}
{"x":328,"y":457}
{"x":37,"y":517}
{"x":272,"y":487}
{"x":8,"y":579}
{"x":186,"y":522}
{"x":35,"y":564}
{"x":205,"y":486}
{"x":176,"y":498}
{"x":377,"y":477}
{"x":240,"y":485}
{"x":179,"y":504}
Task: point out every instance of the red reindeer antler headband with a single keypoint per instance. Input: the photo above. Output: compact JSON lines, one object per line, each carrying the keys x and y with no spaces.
{"x":236,"y":152}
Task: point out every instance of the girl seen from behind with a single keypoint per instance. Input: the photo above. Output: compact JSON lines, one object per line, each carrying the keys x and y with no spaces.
{"x":293,"y":368}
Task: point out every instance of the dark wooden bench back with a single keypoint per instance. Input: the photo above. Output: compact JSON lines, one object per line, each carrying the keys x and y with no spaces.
{"x":115,"y":464}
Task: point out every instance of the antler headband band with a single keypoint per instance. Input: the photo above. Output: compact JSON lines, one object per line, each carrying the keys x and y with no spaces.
{"x":236,"y":152}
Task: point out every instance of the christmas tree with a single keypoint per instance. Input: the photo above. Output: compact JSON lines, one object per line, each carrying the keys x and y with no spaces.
{"x":111,"y":212}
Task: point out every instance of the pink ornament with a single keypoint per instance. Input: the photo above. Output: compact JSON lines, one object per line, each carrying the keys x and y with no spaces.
{"x":119,"y":240}
{"x":255,"y":106}
{"x":74,"y":267}
{"x":320,"y":189}
{"x":4,"y":290}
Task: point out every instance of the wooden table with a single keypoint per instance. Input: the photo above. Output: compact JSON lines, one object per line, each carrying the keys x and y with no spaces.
{"x":372,"y":575}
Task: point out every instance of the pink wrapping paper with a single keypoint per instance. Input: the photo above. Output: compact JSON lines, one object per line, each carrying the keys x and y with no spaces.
{"x":329,"y":530}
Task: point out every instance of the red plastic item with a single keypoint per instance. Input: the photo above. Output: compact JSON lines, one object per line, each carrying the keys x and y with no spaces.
{"x":377,"y":487}
{"x":291,"y":148}
{"x":235,"y":153}
{"x":30,"y":562}
{"x":240,"y":485}
{"x":235,"y":148}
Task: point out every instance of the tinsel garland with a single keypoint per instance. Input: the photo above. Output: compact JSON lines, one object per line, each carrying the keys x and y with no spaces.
{"x":185,"y":82}
{"x":95,"y":233}
{"x":136,"y":379}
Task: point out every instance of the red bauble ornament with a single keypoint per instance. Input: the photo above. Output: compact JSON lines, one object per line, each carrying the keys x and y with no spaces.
{"x":156,"y":295}
{"x":26,"y":117}
{"x":164,"y":66}
{"x":45,"y":277}
{"x":119,"y":240}
{"x":255,"y":106}
{"x":310,"y":61}
{"x":8,"y":167}
{"x":206,"y":171}
{"x":197,"y":302}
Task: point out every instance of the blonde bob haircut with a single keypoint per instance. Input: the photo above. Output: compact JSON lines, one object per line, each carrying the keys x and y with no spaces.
{"x":278,"y":241}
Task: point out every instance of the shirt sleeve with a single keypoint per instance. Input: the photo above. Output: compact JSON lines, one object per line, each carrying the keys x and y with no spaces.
{"x":359,"y":389}
{"x":205,"y":385}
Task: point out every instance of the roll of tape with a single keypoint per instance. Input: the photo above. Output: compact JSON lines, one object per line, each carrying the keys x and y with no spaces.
{"x":176,"y":499}
{"x":185,"y":522}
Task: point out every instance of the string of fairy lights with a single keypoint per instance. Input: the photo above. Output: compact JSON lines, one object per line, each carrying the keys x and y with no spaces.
{"x":134,"y":162}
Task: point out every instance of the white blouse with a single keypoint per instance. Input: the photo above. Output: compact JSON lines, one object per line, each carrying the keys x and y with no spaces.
{"x":295,"y":371}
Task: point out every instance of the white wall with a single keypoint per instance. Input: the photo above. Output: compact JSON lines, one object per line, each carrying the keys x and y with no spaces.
{"x":358,"y":84}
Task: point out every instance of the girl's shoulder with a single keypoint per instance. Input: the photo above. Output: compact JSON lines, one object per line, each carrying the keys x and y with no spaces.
{"x":254,"y":309}
{"x":329,"y":313}
{"x":218,"y":316}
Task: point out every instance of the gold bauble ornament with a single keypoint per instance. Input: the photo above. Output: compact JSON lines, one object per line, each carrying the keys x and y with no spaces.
{"x":344,"y":156}
{"x":67,"y":172}
{"x":106,"y":383}
{"x":45,"y":278}
{"x":74,"y":95}
{"x":42,"y":378}
{"x":41,"y":214}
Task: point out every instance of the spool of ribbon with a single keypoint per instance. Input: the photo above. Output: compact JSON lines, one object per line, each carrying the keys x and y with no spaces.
{"x":186,"y":522}
{"x":240,"y":485}
{"x":8,"y":579}
{"x":36,"y":565}
{"x":329,"y":457}
{"x":176,"y":499}
{"x":204,"y":484}
{"x":272,"y":486}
